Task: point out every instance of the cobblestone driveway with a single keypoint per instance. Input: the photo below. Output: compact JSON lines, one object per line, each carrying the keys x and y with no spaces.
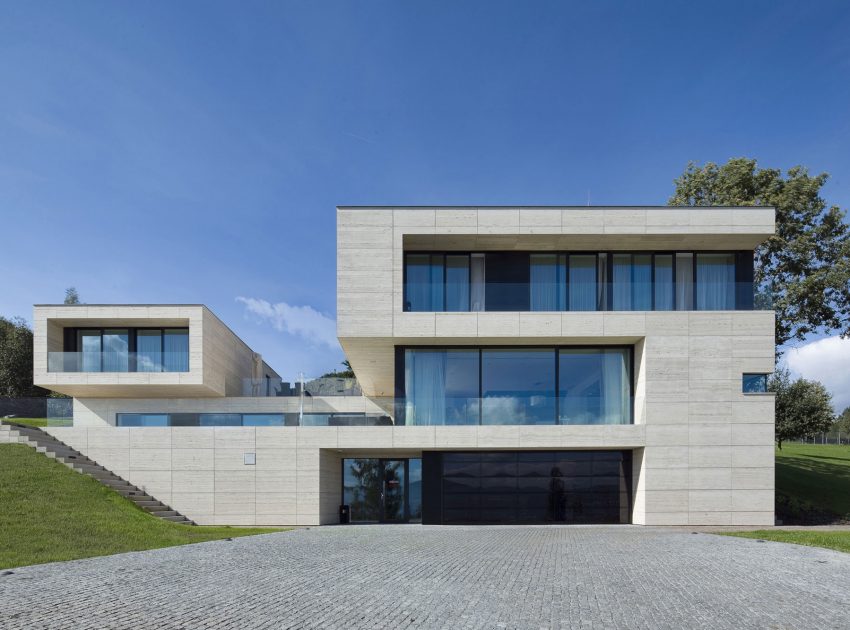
{"x":441,"y":577}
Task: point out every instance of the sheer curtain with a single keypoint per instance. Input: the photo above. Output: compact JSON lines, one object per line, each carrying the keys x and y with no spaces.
{"x":684,"y":282}
{"x":476,"y":274}
{"x":616,"y":390}
{"x":148,"y":351}
{"x":622,"y":290}
{"x":582,"y":283}
{"x":715,"y":282}
{"x":457,"y":282}
{"x":116,"y":355}
{"x":664,"y":282}
{"x":547,"y":276}
{"x":425,"y":387}
{"x":176,"y":350}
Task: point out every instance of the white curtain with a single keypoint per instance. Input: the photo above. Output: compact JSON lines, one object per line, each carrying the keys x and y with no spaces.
{"x":715,"y":282}
{"x":425,"y":384}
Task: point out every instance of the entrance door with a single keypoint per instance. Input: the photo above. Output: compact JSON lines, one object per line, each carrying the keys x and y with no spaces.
{"x":376,"y":489}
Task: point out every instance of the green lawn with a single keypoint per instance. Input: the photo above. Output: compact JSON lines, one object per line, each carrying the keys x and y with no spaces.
{"x":815,"y":474}
{"x":811,"y":479}
{"x":48,"y":512}
{"x":30,"y":422}
{"x":837,"y":540}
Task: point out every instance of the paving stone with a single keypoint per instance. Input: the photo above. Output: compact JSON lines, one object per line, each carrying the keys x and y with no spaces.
{"x":411,"y":576}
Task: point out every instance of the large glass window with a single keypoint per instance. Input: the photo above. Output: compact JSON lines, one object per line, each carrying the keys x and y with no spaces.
{"x":441,"y":386}
{"x":507,"y":280}
{"x":559,"y":281}
{"x":116,"y":351}
{"x":663,"y":282}
{"x":457,"y":282}
{"x":684,"y":282}
{"x":149,"y":351}
{"x":88,"y":345}
{"x":715,"y":282}
{"x":424,"y":284}
{"x":577,"y":385}
{"x":176,"y":350}
{"x":582,"y":286}
{"x":142,"y":420}
{"x":754,"y":383}
{"x":518,"y":386}
{"x":548,"y":282}
{"x":594,"y":386}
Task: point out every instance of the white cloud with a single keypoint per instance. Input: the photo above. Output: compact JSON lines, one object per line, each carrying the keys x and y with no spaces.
{"x":828,"y":361}
{"x":301,"y":321}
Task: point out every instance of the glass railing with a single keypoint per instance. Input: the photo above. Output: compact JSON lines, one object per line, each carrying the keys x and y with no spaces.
{"x":507,"y":410}
{"x":118,"y":362}
{"x":294,"y":419}
{"x":321,"y":386}
{"x":619,"y":296}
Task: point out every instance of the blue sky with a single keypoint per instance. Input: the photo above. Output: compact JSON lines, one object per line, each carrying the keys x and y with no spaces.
{"x":195,"y":151}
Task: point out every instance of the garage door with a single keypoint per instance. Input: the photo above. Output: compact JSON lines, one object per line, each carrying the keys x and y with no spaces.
{"x":527,"y":487}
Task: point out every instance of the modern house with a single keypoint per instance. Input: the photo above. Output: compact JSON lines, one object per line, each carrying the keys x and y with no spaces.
{"x":514,"y":365}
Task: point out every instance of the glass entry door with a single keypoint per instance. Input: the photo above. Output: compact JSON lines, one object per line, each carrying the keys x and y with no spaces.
{"x":376,"y":489}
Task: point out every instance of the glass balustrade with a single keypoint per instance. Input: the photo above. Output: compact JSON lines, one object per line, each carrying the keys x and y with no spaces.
{"x":118,"y":362}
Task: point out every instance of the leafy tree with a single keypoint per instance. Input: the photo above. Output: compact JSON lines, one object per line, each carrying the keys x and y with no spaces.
{"x":842,"y":422}
{"x":806,"y":264}
{"x":346,"y":373}
{"x":71,"y":296}
{"x":802,"y":407}
{"x":16,"y":360}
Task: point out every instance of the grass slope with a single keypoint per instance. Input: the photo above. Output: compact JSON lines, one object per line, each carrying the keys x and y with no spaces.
{"x":815,"y":474}
{"x":48,"y":512}
{"x":838,"y":540}
{"x":811,"y":478}
{"x":30,"y":422}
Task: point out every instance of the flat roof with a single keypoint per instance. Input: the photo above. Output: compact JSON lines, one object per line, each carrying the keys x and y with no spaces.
{"x":585,"y":207}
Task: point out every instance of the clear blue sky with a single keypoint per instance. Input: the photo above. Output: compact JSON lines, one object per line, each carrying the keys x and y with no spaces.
{"x":195,"y":151}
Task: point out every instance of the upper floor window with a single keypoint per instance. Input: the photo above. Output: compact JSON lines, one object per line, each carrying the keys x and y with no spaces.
{"x":122,"y":350}
{"x":578,"y":281}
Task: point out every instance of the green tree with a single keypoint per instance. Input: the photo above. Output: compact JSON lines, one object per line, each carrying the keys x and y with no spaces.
{"x":805,"y":266}
{"x":842,"y":422}
{"x":16,"y":360}
{"x":802,"y":407}
{"x":71,"y":296}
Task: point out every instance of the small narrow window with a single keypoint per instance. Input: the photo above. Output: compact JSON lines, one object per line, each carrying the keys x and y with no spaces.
{"x":754,"y":383}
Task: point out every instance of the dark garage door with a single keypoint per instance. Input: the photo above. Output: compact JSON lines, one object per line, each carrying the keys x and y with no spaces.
{"x":526,"y":487}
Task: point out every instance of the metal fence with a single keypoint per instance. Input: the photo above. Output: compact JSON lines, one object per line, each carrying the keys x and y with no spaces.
{"x":830,"y":437}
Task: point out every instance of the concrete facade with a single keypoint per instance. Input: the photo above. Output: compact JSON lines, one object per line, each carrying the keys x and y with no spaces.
{"x":702,"y":449}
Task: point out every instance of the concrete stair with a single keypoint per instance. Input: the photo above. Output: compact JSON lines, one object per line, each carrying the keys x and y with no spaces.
{"x":49,"y":446}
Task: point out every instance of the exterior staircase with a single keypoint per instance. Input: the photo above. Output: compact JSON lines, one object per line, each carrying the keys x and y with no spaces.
{"x":48,"y":445}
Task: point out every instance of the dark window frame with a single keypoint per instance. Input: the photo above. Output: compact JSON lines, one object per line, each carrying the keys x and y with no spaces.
{"x":71,"y":336}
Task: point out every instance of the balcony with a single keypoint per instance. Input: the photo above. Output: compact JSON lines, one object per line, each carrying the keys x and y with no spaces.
{"x":117,"y":362}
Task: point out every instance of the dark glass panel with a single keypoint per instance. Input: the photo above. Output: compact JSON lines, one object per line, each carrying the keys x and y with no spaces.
{"x":507,"y":278}
{"x":414,"y":489}
{"x":220,"y":420}
{"x":262,"y":420}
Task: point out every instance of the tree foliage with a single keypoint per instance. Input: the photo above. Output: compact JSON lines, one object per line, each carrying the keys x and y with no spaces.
{"x":842,"y":422}
{"x":806,"y":264}
{"x":16,"y":360}
{"x":71,"y":296}
{"x":802,"y":407}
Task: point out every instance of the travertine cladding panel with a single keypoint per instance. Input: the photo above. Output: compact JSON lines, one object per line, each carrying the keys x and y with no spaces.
{"x":218,"y":359}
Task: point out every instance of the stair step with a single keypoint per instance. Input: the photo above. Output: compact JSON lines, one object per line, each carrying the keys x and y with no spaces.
{"x":50,"y":447}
